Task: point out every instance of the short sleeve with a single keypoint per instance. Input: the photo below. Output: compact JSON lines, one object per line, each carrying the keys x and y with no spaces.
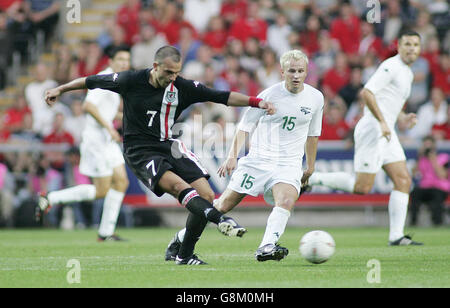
{"x":315,"y":127}
{"x":116,"y":82}
{"x":196,"y":92}
{"x":381,"y":78}
{"x":250,"y":119}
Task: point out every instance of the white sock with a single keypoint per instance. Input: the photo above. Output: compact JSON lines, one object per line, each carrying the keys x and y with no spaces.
{"x":335,"y":180}
{"x":180,"y":234}
{"x":276,"y":223}
{"x":398,"y":208}
{"x":84,"y":192}
{"x":111,"y":209}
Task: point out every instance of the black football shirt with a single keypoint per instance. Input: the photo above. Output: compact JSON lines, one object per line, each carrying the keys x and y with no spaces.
{"x":149,"y":112}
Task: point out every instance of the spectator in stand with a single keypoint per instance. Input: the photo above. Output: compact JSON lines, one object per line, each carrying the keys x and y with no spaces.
{"x":187,"y":44}
{"x":93,"y":60}
{"x":150,"y":41}
{"x":391,"y":21}
{"x":250,"y":26}
{"x":208,"y":9}
{"x":59,"y":135}
{"x":369,"y":66}
{"x":74,"y":124}
{"x":172,"y":21}
{"x":337,"y":77}
{"x":431,"y":113}
{"x":44,"y":14}
{"x":66,"y":66}
{"x":246,"y":83}
{"x":251,"y":59}
{"x":34,"y":94}
{"x":6,"y":197}
{"x":309,"y":38}
{"x":269,"y":73}
{"x":369,"y":42}
{"x":434,"y":184}
{"x":118,"y":41}
{"x":20,"y":30}
{"x":105,"y":37}
{"x":278,"y":33}
{"x":442,"y":131}
{"x":419,"y":87}
{"x":5,"y":51}
{"x":14,"y":115}
{"x":233,"y":10}
{"x":441,"y":74}
{"x":349,"y":93}
{"x":432,"y":52}
{"x":334,"y":126}
{"x":216,"y":35}
{"x":26,"y":135}
{"x":424,"y":27}
{"x":128,"y":20}
{"x":346,"y":30}
{"x":324,"y":58}
{"x":196,"y":68}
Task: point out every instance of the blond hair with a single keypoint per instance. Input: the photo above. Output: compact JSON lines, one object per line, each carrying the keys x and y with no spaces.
{"x":292,"y":55}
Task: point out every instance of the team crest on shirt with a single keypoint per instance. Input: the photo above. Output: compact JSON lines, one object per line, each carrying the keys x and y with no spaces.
{"x":305,"y":110}
{"x":171,"y":96}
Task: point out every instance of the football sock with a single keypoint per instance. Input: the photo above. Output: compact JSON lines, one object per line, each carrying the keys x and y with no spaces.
{"x":199,"y":206}
{"x":194,"y":227}
{"x":276,"y":223}
{"x":398,"y":208}
{"x":84,"y":192}
{"x":335,"y":180}
{"x":111,"y":209}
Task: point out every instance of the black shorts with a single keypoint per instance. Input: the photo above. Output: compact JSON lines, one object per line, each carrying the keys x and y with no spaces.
{"x":150,"y":162}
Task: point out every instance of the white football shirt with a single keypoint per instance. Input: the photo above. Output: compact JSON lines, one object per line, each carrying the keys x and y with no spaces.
{"x":391,"y":85}
{"x":281,"y":137}
{"x":107,"y":103}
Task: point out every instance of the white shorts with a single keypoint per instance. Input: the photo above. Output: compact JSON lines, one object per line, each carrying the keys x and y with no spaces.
{"x":372,"y":151}
{"x":254,"y":178}
{"x":98,"y":160}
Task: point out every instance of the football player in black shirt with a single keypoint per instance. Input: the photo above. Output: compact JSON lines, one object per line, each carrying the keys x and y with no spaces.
{"x":153,"y":100}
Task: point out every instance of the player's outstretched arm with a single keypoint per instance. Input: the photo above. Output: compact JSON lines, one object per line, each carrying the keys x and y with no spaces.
{"x":371,"y":103}
{"x":311,"y":154}
{"x":230,"y":163}
{"x":52,"y":94}
{"x":240,"y":100}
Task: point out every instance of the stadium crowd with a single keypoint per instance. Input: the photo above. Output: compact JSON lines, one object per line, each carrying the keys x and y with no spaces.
{"x":225,"y":44}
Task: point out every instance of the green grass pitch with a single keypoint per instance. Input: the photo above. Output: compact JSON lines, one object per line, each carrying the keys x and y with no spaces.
{"x":40,"y":258}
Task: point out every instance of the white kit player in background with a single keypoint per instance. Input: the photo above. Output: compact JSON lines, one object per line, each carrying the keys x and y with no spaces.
{"x":273,"y":166}
{"x":376,"y":143}
{"x":101,"y":156}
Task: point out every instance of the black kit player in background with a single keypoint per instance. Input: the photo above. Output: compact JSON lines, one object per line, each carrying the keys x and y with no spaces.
{"x":153,"y":100}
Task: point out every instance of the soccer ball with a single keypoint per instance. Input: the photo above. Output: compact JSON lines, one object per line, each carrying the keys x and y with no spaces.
{"x":317,"y":246}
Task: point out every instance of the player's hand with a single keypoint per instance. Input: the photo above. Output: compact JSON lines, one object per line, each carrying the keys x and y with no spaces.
{"x":51,"y":96}
{"x":269,"y":107}
{"x":227,"y":167}
{"x":114,"y":134}
{"x":385,"y":131}
{"x":411,"y":120}
{"x":305,"y":177}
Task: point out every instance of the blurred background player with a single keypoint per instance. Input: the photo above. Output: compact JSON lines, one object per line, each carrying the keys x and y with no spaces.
{"x":376,"y":143}
{"x":101,"y":156}
{"x":273,"y":166}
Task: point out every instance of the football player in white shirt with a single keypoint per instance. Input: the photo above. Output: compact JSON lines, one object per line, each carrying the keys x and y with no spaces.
{"x":376,"y":143}
{"x":101,"y":156}
{"x":273,"y":166}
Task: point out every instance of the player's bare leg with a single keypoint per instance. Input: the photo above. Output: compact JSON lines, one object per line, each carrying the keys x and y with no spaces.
{"x":398,"y":203}
{"x":285,"y":196}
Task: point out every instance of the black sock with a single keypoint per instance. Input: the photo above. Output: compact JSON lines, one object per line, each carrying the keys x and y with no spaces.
{"x":199,"y":206}
{"x":194,"y":227}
